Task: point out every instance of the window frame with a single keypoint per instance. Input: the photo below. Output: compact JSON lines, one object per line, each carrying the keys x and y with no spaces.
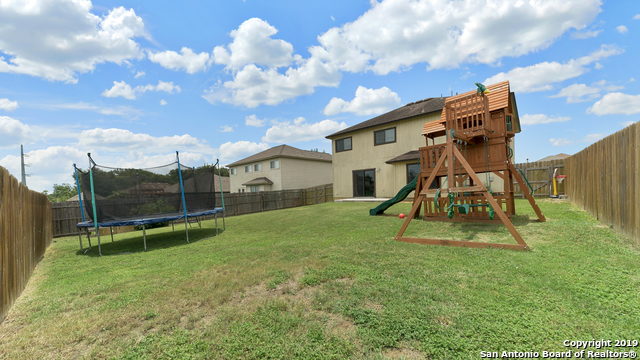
{"x":271,"y":167}
{"x":395,"y":136}
{"x":254,"y":188}
{"x":233,"y":171}
{"x":256,"y":166}
{"x":342,"y":139}
{"x":250,"y":167}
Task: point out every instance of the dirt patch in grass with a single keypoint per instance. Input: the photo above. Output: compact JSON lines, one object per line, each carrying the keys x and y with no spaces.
{"x":403,"y":352}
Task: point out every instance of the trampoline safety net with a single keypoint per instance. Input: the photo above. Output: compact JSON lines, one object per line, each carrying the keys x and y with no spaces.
{"x":129,"y":194}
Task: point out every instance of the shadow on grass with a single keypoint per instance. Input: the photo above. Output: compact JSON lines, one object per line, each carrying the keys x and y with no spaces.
{"x":473,"y":231}
{"x":155,"y":241}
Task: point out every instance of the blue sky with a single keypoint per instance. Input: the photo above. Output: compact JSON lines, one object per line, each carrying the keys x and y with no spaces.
{"x":134,"y":81}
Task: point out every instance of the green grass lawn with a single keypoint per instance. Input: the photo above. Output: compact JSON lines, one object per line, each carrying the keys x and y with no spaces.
{"x":328,"y":281}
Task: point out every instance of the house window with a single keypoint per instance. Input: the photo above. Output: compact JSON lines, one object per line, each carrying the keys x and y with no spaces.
{"x":255,"y":188}
{"x":343,"y":144}
{"x":233,"y":171}
{"x":247,"y":169}
{"x":413,"y":170}
{"x":257,"y":167}
{"x":275,"y":164}
{"x":384,"y":136}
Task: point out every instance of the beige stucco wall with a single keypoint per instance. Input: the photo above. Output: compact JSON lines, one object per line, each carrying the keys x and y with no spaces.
{"x":389,"y":179}
{"x":300,"y":174}
{"x":292,"y":174}
{"x":241,"y":177}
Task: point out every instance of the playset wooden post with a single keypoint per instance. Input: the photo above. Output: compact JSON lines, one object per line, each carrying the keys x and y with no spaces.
{"x":478,"y":128}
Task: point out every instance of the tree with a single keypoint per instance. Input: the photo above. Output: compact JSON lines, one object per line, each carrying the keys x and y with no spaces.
{"x":62,"y":192}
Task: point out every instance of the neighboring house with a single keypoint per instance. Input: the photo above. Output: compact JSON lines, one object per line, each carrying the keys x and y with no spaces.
{"x":376,"y":158}
{"x":560,"y":156}
{"x":280,"y":168}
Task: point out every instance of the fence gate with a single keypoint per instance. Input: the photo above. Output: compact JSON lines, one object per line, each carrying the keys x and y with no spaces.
{"x":540,"y":176}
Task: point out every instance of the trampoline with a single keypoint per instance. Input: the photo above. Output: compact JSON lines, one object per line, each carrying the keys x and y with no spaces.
{"x":114,"y":197}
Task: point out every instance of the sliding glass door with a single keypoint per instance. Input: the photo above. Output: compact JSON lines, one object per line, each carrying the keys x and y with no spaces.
{"x":364,"y":183}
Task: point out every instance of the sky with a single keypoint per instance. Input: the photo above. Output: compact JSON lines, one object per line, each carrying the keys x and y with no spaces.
{"x":132,"y":82}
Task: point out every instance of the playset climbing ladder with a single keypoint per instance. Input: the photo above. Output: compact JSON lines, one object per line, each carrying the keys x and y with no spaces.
{"x":479,"y":129}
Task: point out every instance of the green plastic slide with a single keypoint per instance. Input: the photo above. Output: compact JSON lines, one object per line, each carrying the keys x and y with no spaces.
{"x":402,"y":194}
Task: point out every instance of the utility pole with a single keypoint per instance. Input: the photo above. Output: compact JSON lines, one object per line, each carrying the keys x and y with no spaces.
{"x":23,"y":165}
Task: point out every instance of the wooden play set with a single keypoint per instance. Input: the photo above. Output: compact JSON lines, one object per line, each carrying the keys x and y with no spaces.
{"x":479,"y":126}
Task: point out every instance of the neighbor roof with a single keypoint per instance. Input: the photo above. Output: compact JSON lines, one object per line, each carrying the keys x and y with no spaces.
{"x":259,"y":181}
{"x":555,"y":157}
{"x":414,"y":109}
{"x":284,"y":151}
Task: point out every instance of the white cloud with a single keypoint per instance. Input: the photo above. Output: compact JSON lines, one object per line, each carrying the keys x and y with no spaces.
{"x":226,"y":128}
{"x":598,"y":66}
{"x":542,"y":76}
{"x":631,"y":80}
{"x":253,"y":86}
{"x":252,"y":120}
{"x":59,"y":39}
{"x":13,"y":132}
{"x":162,"y":102}
{"x":616,"y":103}
{"x":252,"y":44}
{"x":6,"y":104}
{"x":366,"y":102}
{"x":536,"y":119}
{"x":229,"y":151}
{"x":123,"y":89}
{"x":622,"y":29}
{"x":627,"y":123}
{"x":607,"y":86}
{"x":124,"y":140}
{"x":139,"y":74}
{"x":120,"y":89}
{"x":578,"y":93}
{"x":188,"y":61}
{"x":126,"y":111}
{"x":593,"y":137}
{"x":561,"y":141}
{"x":585,"y":34}
{"x":286,"y":132}
{"x":637,"y":17}
{"x":394,"y":35}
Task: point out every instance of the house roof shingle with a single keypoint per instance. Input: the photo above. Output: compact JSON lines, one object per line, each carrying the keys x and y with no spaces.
{"x":259,"y":181}
{"x":408,"y":156}
{"x":417,"y":108}
{"x":284,"y":151}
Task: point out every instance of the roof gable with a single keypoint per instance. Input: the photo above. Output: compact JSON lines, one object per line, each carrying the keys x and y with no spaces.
{"x":284,"y":151}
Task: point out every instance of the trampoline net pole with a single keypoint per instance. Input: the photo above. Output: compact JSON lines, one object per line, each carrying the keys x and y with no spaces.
{"x":184,"y":203}
{"x":221,"y":197}
{"x":95,"y":213}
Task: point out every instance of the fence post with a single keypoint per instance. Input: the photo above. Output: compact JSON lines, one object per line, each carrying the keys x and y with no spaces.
{"x":325,"y":193}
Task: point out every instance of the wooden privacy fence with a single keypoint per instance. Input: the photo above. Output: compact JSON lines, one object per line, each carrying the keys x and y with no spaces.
{"x":540,"y":176}
{"x":604,"y":180}
{"x":67,"y":214}
{"x":25,"y":234}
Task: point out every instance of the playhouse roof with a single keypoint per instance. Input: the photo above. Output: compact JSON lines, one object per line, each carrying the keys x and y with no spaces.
{"x":500,"y":97}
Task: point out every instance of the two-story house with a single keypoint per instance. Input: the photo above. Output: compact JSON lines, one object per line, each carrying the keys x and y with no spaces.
{"x":377,"y":157}
{"x":280,"y":168}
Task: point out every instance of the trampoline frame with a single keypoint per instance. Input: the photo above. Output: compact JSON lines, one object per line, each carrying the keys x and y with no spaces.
{"x":142,"y":221}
